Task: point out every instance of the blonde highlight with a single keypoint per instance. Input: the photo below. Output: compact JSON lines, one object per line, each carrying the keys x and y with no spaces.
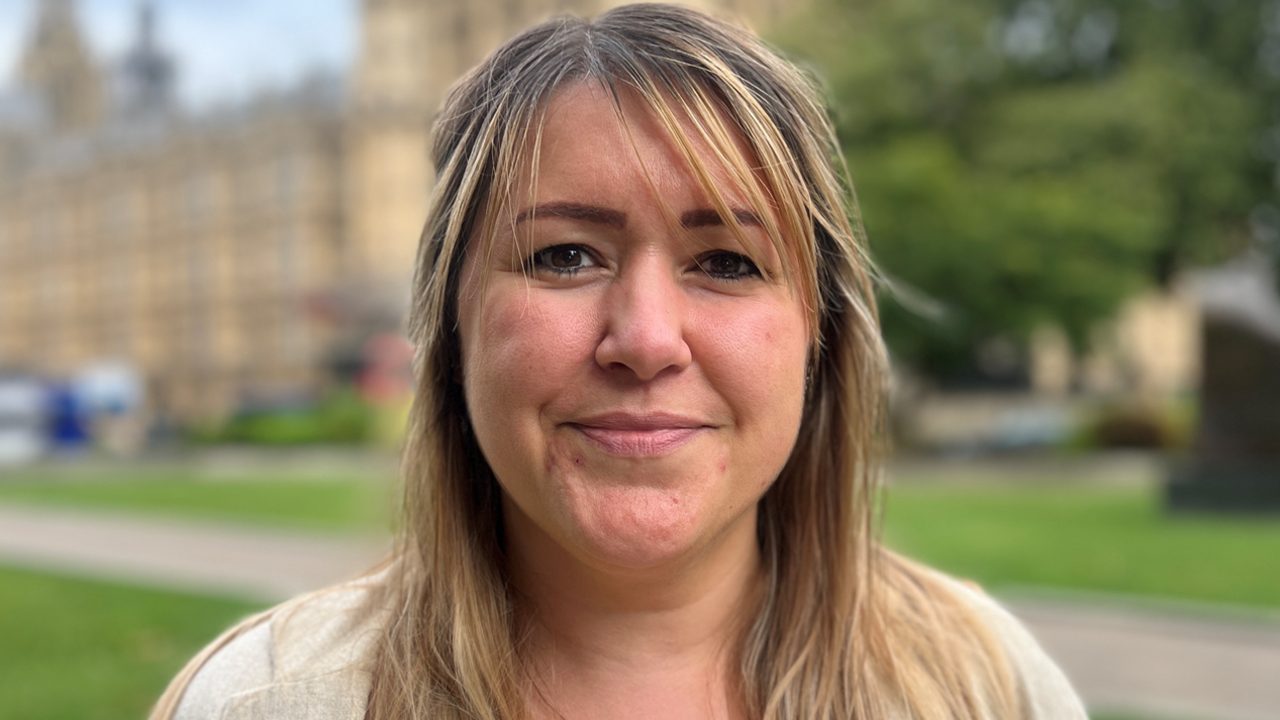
{"x":844,"y":629}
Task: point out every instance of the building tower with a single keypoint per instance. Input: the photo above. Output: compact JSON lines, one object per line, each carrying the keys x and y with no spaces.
{"x":411,"y":51}
{"x":146,"y":73}
{"x":57,"y":67}
{"x":388,"y":173}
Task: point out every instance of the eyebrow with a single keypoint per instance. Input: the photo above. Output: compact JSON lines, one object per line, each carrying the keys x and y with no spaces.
{"x":702,"y":217}
{"x":576,"y":211}
{"x":707,"y":217}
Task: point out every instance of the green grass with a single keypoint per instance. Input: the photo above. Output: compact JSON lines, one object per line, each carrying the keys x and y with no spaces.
{"x":78,"y":649}
{"x":1084,"y":536}
{"x":312,"y":504}
{"x":1081,"y":536}
{"x":84,"y":650}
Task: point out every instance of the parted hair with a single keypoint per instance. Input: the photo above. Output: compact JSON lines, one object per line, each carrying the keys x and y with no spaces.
{"x":845,"y":629}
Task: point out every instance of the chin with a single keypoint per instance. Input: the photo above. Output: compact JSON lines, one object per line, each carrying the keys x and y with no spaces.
{"x":638,"y":527}
{"x":643,"y":528}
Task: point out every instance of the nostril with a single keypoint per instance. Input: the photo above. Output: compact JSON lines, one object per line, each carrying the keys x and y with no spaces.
{"x":639,"y":350}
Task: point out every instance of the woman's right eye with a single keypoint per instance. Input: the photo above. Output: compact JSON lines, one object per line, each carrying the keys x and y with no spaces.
{"x":561,"y":259}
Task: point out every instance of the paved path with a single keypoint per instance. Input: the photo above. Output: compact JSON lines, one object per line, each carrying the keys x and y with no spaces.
{"x":189,"y":555}
{"x":1161,"y":664}
{"x":1139,"y":662}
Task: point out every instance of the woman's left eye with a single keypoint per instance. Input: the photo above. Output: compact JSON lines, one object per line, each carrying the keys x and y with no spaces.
{"x":726,"y":265}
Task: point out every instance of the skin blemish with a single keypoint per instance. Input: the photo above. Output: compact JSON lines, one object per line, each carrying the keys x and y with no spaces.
{"x":724,"y":465}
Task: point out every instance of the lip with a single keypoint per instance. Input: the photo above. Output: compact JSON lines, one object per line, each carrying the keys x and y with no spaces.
{"x":642,"y":435}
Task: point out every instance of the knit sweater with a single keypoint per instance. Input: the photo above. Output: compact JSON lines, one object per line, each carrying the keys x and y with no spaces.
{"x":310,"y":659}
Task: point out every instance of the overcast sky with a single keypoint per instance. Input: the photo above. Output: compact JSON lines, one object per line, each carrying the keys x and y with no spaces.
{"x":225,"y":49}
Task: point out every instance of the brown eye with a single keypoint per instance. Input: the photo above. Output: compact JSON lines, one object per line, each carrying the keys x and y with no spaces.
{"x":563,"y":259}
{"x":724,"y":265}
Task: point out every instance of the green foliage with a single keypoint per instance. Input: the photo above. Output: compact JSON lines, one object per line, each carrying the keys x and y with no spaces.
{"x":1034,"y":161}
{"x":340,"y":417}
{"x":78,"y":650}
{"x":1169,"y":425}
{"x":1085,"y":536}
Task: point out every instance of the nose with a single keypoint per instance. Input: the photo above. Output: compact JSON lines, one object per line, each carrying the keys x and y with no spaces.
{"x":645,"y":315}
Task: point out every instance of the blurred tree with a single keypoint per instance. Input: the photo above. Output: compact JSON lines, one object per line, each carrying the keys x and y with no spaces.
{"x":1032,"y":161}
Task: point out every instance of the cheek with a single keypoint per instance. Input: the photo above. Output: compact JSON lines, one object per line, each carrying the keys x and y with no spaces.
{"x":521,"y":349}
{"x":756,"y":355}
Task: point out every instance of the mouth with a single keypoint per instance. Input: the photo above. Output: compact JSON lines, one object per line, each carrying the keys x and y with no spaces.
{"x":639,"y":435}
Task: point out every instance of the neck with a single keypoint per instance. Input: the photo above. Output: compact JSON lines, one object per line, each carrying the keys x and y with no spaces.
{"x":613,"y":642}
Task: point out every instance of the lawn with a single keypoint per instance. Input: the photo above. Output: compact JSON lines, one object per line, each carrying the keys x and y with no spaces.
{"x":336,"y":504}
{"x":78,"y":650}
{"x":1086,"y":537}
{"x":1078,"y":535}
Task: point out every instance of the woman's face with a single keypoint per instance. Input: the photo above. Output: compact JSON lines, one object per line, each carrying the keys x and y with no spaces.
{"x":634,"y":380}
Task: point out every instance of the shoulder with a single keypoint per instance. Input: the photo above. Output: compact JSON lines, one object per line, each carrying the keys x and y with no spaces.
{"x":242,"y":665}
{"x":309,"y":657}
{"x":1045,"y":692}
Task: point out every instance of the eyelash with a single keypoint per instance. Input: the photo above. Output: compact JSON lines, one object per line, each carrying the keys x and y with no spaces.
{"x":541,"y":261}
{"x":746,"y":267}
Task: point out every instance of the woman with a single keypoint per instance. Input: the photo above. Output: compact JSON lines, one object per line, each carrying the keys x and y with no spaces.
{"x":642,"y":463}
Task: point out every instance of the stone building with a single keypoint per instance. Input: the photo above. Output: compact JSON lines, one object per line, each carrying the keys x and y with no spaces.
{"x":236,"y":256}
{"x":189,"y":247}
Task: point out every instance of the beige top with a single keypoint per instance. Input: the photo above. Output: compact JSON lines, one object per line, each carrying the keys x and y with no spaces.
{"x":309,"y":659}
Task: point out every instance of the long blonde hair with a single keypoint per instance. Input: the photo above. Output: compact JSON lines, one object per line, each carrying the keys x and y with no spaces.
{"x":846,"y":629}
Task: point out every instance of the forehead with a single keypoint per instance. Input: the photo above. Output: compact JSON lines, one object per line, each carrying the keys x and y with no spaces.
{"x":591,"y":138}
{"x":651,"y":159}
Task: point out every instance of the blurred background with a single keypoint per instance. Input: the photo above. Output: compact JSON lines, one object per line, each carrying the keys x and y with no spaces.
{"x":208,"y":218}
